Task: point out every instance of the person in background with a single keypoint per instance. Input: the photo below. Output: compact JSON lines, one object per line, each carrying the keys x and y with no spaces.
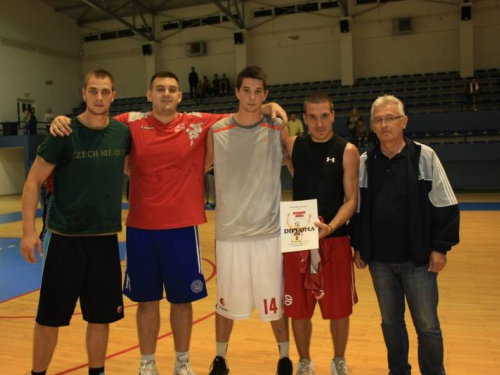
{"x":216,"y":85}
{"x":224,"y":84}
{"x":295,"y":126}
{"x":207,"y":86}
{"x":26,"y":121}
{"x":200,"y":94}
{"x":48,"y":118}
{"x":361,"y":133}
{"x":472,"y":90}
{"x":352,"y":124}
{"x":33,"y":122}
{"x":193,"y":82}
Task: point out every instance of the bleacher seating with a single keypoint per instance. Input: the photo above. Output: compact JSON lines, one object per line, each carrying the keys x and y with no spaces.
{"x":429,"y":93}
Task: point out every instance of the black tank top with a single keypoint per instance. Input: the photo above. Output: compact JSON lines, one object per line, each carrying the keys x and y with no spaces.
{"x":319,"y":174}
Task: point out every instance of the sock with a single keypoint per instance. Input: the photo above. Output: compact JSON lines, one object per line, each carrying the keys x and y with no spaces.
{"x":96,"y":371}
{"x":284,"y":349}
{"x":221,"y":349}
{"x":147,"y":357}
{"x":182,"y":356}
{"x":39,"y":373}
{"x":337,"y":359}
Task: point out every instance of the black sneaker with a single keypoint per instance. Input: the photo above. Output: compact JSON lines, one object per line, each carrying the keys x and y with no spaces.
{"x":219,"y":367}
{"x":285,"y":366}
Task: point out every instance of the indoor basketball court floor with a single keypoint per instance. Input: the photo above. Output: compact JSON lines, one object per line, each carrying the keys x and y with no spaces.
{"x":469,"y":312}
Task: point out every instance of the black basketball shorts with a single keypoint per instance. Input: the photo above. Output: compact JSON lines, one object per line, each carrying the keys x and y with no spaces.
{"x":80,"y":267}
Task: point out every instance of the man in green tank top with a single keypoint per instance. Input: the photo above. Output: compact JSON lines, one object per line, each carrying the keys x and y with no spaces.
{"x":80,"y":251}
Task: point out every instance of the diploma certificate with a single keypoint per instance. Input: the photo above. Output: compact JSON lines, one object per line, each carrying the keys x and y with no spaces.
{"x":298,"y":231}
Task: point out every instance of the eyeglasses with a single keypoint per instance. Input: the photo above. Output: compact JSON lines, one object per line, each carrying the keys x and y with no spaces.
{"x":388,"y":120}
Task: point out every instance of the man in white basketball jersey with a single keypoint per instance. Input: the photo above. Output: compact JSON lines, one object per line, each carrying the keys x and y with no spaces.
{"x":246,"y":150}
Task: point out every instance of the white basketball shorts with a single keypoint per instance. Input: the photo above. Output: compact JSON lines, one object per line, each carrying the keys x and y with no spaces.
{"x":249,"y":275}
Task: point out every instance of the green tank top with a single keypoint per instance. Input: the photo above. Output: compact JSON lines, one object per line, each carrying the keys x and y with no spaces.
{"x":88,"y":178}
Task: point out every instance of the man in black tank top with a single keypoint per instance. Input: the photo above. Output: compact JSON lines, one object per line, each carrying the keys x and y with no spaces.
{"x":325,"y":168}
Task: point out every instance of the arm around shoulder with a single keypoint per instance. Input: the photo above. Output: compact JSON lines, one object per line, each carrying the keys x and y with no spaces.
{"x":61,"y":126}
{"x":275,"y":110}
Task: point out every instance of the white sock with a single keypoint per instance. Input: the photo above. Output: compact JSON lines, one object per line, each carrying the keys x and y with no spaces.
{"x":284,"y":349}
{"x":221,"y":349}
{"x":182,"y":356}
{"x":147,"y":357}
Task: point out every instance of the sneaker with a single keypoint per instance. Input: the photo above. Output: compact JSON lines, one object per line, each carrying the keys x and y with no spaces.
{"x":285,"y":367}
{"x":219,"y":367}
{"x":339,"y":366}
{"x":148,"y":368}
{"x":305,"y":367}
{"x":183,"y":368}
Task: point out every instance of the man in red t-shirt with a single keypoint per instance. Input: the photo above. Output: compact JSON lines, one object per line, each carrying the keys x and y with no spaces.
{"x":166,"y":198}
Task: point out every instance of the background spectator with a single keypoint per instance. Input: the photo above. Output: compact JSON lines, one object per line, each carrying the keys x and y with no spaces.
{"x":48,"y":118}
{"x":26,"y":121}
{"x":224,"y":84}
{"x":193,"y":82}
{"x":215,"y":84}
{"x":295,"y":126}
{"x":200,"y":94}
{"x":33,"y":122}
{"x":207,"y":86}
{"x":361,"y":132}
{"x":472,"y":89}
{"x":352,"y":124}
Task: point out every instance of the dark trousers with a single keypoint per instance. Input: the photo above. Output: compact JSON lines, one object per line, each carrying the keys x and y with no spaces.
{"x":394,"y":282}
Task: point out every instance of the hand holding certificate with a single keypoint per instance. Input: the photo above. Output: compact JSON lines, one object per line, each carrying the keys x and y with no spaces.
{"x":298,"y":231}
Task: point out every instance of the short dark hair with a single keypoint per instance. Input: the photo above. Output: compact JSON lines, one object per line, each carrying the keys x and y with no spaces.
{"x":99,"y":73}
{"x":317,"y":98}
{"x":163,"y":75}
{"x":254,"y":72}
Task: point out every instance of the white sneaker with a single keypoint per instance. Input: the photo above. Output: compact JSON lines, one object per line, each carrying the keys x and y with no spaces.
{"x":305,"y":367}
{"x":148,"y":368}
{"x":339,"y":366}
{"x":183,"y":367}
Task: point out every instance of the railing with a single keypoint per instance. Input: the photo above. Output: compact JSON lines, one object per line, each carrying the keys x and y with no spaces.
{"x":11,"y":128}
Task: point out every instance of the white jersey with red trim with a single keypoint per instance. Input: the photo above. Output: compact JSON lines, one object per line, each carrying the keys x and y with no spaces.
{"x":167,"y":169}
{"x":247,"y":166}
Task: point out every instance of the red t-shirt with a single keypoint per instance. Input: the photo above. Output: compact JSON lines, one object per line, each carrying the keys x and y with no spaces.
{"x":167,"y":163}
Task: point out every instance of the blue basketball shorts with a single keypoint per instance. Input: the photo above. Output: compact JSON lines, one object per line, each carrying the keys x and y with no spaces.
{"x":166,"y":259}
